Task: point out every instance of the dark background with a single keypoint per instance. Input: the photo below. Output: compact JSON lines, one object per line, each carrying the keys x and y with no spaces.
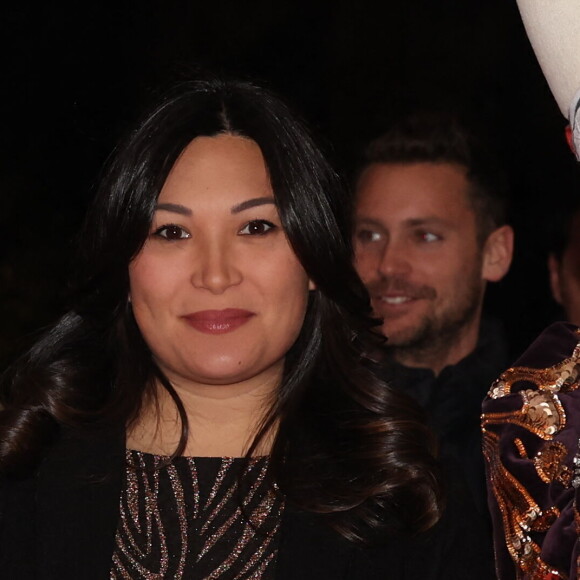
{"x":74,"y":77}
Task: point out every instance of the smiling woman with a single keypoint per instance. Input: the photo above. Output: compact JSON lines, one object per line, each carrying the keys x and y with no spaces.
{"x":208,"y":407}
{"x":217,"y":291}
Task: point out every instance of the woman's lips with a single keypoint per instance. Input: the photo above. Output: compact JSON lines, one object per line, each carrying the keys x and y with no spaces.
{"x":218,"y":321}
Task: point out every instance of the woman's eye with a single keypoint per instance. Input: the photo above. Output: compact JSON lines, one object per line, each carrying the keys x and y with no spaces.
{"x":257,"y":228}
{"x":367,"y":236}
{"x":172,"y":232}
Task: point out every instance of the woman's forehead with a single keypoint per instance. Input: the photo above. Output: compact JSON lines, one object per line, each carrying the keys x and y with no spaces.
{"x":226,"y":166}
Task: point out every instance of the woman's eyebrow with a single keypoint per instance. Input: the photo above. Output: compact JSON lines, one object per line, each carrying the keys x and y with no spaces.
{"x":251,"y":203}
{"x":174,"y":207}
{"x":182,"y":210}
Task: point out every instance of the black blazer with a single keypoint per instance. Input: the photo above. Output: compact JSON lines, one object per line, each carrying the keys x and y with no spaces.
{"x":60,"y":524}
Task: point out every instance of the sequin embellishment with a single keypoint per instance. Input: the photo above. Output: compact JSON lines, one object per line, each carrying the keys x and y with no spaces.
{"x":532,"y":415}
{"x":189,"y":520}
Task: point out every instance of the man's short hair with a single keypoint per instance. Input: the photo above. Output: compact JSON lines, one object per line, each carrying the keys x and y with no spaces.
{"x":435,"y":137}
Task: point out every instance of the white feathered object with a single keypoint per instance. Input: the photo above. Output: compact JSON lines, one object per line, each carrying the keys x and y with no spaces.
{"x":553,"y":27}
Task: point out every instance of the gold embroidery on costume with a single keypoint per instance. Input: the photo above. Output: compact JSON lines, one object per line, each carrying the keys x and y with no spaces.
{"x":548,"y":461}
{"x":541,"y":414}
{"x":560,"y":377}
{"x":521,"y":448}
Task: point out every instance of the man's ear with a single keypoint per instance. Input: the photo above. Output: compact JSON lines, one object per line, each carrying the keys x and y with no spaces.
{"x":497,"y":254}
{"x":554,"y":272}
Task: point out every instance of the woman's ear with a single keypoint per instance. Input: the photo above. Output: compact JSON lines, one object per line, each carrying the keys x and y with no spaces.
{"x":497,"y":254}
{"x":311,"y":285}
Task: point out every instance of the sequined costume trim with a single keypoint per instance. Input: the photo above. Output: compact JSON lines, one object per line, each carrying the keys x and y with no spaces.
{"x":533,"y":411}
{"x":189,"y":519}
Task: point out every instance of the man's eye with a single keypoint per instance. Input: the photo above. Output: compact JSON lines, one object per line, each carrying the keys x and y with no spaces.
{"x":428,"y":237}
{"x":257,"y":228}
{"x":172,"y":232}
{"x":367,"y":236}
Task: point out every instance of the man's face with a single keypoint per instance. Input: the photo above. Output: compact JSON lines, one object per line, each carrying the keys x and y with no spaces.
{"x":565,"y":274}
{"x":418,"y":254}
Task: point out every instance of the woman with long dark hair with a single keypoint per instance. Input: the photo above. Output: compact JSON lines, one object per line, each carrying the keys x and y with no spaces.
{"x":208,"y":407}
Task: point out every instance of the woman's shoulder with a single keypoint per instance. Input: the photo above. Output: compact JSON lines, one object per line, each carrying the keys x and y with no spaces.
{"x":531,"y":431}
{"x":62,"y":516}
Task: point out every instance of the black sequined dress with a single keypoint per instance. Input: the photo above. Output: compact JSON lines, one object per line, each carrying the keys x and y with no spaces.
{"x":196,"y":518}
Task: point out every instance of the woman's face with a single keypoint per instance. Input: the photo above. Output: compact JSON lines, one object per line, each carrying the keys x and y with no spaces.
{"x":217,"y":292}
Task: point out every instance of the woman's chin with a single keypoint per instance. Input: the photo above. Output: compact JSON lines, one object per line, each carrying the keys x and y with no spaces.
{"x":224,"y":371}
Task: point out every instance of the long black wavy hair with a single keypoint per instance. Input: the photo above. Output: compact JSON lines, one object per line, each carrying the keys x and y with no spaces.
{"x":346,"y":445}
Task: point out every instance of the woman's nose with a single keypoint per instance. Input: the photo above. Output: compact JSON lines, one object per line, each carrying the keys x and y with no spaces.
{"x":218,"y":269}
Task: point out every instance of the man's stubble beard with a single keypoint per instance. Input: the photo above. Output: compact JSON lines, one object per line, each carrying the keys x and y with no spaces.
{"x":437,"y":333}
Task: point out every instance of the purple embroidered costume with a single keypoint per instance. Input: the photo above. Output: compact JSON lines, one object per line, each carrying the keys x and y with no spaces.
{"x":531,"y":431}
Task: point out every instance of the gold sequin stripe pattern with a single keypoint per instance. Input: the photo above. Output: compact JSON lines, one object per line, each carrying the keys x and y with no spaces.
{"x":258,"y":516}
{"x":139,"y":522}
{"x":182,"y":516}
{"x":168,"y":529}
{"x":260,"y":506}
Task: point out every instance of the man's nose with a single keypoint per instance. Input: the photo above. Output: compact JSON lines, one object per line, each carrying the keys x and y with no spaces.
{"x":393,"y":260}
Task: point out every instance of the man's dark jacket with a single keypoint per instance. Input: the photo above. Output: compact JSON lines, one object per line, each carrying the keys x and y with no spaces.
{"x":452,"y":401}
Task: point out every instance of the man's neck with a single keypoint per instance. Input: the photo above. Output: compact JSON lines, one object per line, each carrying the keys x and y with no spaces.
{"x":437,"y":356}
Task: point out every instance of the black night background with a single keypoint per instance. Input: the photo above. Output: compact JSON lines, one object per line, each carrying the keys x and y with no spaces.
{"x":74,"y":76}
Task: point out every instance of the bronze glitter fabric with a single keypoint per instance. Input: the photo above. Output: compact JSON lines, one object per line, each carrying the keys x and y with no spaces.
{"x":191,"y":520}
{"x":530,"y":426}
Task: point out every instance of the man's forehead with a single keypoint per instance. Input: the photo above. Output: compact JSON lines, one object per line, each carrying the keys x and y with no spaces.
{"x":428,"y":171}
{"x":413,"y":191}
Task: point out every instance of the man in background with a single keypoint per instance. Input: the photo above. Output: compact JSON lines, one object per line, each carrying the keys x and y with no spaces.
{"x":564,"y":247}
{"x":430,"y":233}
{"x":564,"y":269}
